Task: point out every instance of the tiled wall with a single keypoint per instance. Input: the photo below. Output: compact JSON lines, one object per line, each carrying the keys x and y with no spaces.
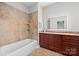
{"x":13,"y":24}
{"x":33,"y":25}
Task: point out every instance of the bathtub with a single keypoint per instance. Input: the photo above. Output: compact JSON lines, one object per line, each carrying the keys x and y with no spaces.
{"x":21,"y":48}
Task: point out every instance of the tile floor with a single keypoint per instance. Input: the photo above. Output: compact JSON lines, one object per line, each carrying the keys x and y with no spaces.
{"x":44,"y":52}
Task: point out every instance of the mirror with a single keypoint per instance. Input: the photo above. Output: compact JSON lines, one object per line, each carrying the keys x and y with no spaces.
{"x":58,"y":23}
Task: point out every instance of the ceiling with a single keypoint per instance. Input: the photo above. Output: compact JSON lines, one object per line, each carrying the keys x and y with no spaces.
{"x":28,"y":4}
{"x":45,"y":4}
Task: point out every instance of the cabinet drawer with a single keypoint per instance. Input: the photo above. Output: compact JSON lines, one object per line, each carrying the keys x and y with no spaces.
{"x":71,"y":38}
{"x":44,"y":36}
{"x":71,"y":42}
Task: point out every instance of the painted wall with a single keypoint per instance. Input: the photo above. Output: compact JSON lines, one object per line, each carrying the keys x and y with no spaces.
{"x":42,"y":5}
{"x":40,"y":20}
{"x":13,"y":24}
{"x":70,"y":9}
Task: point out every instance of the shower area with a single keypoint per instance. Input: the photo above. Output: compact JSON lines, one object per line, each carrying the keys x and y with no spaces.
{"x":18,"y":29}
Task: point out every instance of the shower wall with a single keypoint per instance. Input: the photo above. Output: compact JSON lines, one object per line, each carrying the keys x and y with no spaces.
{"x":33,"y":20}
{"x":13,"y":24}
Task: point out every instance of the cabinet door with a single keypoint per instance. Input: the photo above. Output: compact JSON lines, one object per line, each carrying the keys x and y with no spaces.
{"x":70,"y":49}
{"x":70,"y":45}
{"x":44,"y":40}
{"x":51,"y":42}
{"x":58,"y":43}
{"x":55,"y":43}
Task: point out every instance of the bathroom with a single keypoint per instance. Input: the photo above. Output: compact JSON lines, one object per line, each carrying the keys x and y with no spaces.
{"x":39,"y":29}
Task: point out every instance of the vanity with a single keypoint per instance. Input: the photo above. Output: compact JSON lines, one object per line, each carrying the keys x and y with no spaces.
{"x":66,"y":43}
{"x":58,"y":36}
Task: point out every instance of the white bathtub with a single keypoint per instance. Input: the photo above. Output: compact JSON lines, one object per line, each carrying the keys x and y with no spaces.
{"x":21,"y":48}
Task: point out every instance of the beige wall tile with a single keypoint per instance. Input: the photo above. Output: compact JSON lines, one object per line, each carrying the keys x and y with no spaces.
{"x":12,"y":24}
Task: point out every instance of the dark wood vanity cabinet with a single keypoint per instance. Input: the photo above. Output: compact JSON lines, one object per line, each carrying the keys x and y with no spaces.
{"x":49,"y":41}
{"x":65,"y":44}
{"x":70,"y":45}
{"x":55,"y":43}
{"x":44,"y":40}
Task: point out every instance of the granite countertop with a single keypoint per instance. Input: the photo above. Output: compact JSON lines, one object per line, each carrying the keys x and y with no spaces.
{"x":62,"y":33}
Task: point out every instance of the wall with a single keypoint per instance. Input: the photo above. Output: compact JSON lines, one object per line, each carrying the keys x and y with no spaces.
{"x":42,"y":5}
{"x":13,"y":24}
{"x":33,"y":8}
{"x":70,"y":9}
{"x":33,"y":23}
{"x":40,"y":20}
{"x":19,"y":6}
